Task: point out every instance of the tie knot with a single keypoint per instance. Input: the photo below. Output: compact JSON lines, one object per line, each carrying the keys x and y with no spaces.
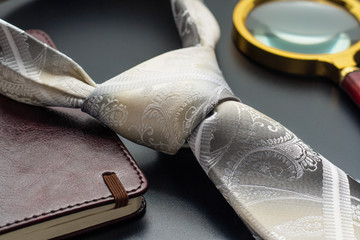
{"x":159,"y":102}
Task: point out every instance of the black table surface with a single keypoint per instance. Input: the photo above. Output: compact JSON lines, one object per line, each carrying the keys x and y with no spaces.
{"x":108,"y":37}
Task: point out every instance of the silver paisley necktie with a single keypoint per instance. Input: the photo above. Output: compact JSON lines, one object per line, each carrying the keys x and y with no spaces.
{"x":277,"y":184}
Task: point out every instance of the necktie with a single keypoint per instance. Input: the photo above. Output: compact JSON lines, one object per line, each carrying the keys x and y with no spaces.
{"x":278,"y":185}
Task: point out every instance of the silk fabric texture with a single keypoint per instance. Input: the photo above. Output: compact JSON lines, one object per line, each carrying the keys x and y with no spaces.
{"x":278,"y":185}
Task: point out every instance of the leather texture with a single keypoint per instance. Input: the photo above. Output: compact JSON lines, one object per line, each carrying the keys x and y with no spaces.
{"x":52,"y":160}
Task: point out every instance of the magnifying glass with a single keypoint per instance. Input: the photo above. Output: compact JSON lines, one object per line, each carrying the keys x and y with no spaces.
{"x":312,"y":37}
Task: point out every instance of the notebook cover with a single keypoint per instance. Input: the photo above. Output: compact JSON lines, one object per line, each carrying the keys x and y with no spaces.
{"x":52,"y":161}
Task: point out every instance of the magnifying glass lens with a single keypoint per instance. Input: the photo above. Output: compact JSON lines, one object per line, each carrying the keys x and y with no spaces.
{"x":307,"y":27}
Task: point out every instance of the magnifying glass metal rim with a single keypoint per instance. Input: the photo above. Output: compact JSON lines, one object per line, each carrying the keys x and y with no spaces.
{"x":334,"y":66}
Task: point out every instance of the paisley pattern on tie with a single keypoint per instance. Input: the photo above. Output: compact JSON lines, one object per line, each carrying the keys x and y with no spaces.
{"x":277,"y":184}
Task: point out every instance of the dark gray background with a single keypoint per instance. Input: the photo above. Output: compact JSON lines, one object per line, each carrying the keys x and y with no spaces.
{"x":107,"y":37}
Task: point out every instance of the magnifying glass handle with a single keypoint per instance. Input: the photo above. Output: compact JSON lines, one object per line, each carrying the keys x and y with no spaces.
{"x":351,"y":85}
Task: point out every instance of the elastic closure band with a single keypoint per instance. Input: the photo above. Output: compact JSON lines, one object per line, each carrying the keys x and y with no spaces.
{"x":116,"y":188}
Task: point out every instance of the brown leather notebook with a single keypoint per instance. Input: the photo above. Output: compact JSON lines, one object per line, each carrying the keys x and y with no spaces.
{"x":62,"y":172}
